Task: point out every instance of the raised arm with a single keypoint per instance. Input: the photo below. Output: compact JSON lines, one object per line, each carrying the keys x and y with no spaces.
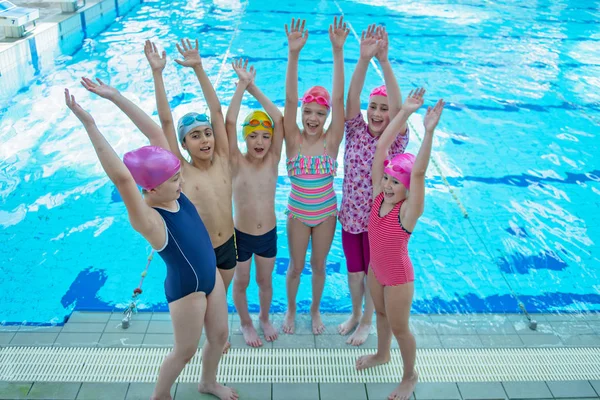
{"x":391,"y":84}
{"x":296,"y":37}
{"x":337,"y":34}
{"x":416,"y":196}
{"x":412,"y":104}
{"x":245,"y":78}
{"x":368,"y":48}
{"x":191,"y":59}
{"x":276,"y":116}
{"x":157,"y":64}
{"x":140,"y":214}
{"x":144,"y":123}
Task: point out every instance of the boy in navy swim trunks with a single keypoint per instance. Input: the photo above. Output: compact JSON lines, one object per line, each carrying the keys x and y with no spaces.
{"x":254,"y":182}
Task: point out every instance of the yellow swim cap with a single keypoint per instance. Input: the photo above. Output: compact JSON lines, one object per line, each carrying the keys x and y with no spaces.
{"x":257,"y":120}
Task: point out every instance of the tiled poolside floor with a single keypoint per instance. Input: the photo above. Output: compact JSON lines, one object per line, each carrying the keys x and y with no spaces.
{"x":432,"y":331}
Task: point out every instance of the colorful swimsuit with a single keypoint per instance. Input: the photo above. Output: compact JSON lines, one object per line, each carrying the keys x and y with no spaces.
{"x":388,"y":241}
{"x":312,"y":198}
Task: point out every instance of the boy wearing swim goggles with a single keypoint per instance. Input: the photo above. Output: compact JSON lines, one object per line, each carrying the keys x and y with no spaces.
{"x":208,"y":178}
{"x":361,"y":140}
{"x":254,"y":181}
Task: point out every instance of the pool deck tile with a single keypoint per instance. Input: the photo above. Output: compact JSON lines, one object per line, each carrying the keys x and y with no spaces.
{"x":252,"y":391}
{"x":295,"y":341}
{"x":158,"y":340}
{"x":346,"y":391}
{"x":77,"y":339}
{"x":582,"y":341}
{"x":437,"y":391}
{"x":79,"y":327}
{"x":139,"y":316}
{"x":54,"y":390}
{"x":481,"y":390}
{"x":189,"y":391}
{"x":423,"y":341}
{"x":6,"y":337}
{"x":33,"y":339}
{"x":461,"y":341}
{"x":40,"y":329}
{"x":103,"y":391}
{"x":142,"y":391}
{"x":527,"y":390}
{"x":501,"y":341}
{"x":568,"y":389}
{"x":596,"y":386}
{"x":121,"y":340}
{"x":567,"y":328}
{"x":14,"y":390}
{"x":159,"y":327}
{"x":296,"y":391}
{"x":89,"y":317}
{"x":541,"y":340}
{"x":380,"y":390}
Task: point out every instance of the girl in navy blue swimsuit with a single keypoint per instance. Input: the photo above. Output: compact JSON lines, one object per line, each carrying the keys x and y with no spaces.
{"x":171,"y":224}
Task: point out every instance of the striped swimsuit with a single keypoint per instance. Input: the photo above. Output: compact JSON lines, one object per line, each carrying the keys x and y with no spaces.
{"x":388,"y":241}
{"x":312,"y":198}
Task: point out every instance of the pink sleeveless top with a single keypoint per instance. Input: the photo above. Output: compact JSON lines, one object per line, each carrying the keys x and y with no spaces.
{"x":388,"y":241}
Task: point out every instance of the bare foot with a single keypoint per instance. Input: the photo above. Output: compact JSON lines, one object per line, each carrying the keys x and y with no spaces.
{"x":405,"y":389}
{"x":226,"y":347}
{"x":371,"y":360}
{"x":289,"y":323}
{"x":346,"y":327}
{"x":269,"y":331}
{"x":360,"y":335}
{"x":317,"y":324}
{"x":250,"y":336}
{"x":218,"y":390}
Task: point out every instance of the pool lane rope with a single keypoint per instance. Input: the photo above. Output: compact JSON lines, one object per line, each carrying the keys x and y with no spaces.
{"x":463,"y":210}
{"x":132,"y":307}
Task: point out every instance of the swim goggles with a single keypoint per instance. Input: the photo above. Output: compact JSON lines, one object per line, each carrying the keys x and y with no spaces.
{"x":309,"y":98}
{"x":254,"y":123}
{"x":190,"y":119}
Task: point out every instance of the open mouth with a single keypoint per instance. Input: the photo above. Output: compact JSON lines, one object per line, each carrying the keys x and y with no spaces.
{"x":388,"y":194}
{"x":376,"y":122}
{"x":312,"y":125}
{"x":259,"y":150}
{"x":205,"y":149}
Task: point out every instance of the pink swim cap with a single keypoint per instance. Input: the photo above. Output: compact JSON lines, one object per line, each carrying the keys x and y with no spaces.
{"x":318,"y":94}
{"x":150,"y":165}
{"x":379,"y":91}
{"x":400,"y":168}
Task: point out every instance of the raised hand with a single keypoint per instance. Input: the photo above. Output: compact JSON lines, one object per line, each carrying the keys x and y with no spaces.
{"x":101,"y":89}
{"x":191,"y":57}
{"x":382,"y":44}
{"x":84,"y":116}
{"x":432,"y":117}
{"x":368,"y":43}
{"x":241,"y":69}
{"x":156,"y":60}
{"x":296,"y":36}
{"x":338,"y":33}
{"x":414,"y":101}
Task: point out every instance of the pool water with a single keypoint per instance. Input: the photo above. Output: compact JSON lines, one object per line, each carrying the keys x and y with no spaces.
{"x":512,"y":211}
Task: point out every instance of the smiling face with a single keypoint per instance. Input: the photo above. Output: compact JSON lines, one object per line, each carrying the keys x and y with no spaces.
{"x":258,"y":143}
{"x":378,"y":115}
{"x":393,"y":190}
{"x":169,"y":190}
{"x":200,"y":142}
{"x":314,"y":116}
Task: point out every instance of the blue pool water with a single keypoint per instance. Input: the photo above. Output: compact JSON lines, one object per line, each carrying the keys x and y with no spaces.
{"x":515,"y":151}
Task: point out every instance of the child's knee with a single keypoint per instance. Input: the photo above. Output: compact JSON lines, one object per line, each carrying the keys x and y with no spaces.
{"x":317,"y":266}
{"x":186,"y":352}
{"x":295,"y":269}
{"x":400,"y":330}
{"x":264,"y":282}
{"x":218,"y":335}
{"x":241,"y":282}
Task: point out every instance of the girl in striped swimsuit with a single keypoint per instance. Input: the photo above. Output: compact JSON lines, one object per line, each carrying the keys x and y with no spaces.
{"x":311,"y":165}
{"x":398,"y":201}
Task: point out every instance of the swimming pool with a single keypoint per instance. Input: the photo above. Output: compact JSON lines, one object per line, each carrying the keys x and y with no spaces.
{"x":513,"y":200}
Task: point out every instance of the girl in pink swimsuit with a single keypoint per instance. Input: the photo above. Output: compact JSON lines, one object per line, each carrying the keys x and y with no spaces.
{"x":361,"y":139}
{"x":398,"y":201}
{"x":311,"y":163}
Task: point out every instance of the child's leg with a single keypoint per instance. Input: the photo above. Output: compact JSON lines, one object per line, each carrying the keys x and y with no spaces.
{"x":322,"y":236}
{"x":240,"y":299}
{"x":398,"y":300}
{"x":298,"y":236}
{"x":361,"y":333}
{"x":264,"y":278}
{"x":384,"y":332}
{"x":216,"y":328}
{"x":352,"y":245}
{"x":187,"y":316}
